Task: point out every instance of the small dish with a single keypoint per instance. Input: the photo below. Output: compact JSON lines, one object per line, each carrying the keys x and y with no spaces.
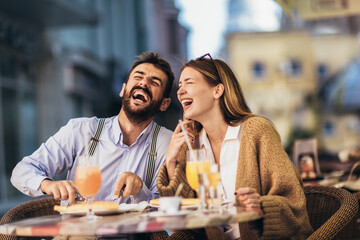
{"x":160,"y":215}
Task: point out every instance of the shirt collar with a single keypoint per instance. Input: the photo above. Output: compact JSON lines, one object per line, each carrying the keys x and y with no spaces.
{"x":118,"y":135}
{"x":231,"y":134}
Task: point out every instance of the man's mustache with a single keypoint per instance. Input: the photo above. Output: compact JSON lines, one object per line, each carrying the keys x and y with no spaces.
{"x":146,"y":90}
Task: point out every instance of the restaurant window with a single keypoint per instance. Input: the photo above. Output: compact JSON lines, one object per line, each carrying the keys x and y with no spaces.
{"x":329,"y":128}
{"x":258,"y":70}
{"x":295,"y":67}
{"x":17,"y":118}
{"x":322,"y":71}
{"x":291,"y":67}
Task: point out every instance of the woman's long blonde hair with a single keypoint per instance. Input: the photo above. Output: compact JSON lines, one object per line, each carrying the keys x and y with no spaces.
{"x":232,"y":103}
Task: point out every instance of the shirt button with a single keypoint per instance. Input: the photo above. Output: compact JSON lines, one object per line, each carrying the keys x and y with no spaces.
{"x":127,"y":150}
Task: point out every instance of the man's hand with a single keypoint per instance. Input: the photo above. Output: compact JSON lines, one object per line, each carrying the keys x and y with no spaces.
{"x":61,"y":190}
{"x":130,"y":183}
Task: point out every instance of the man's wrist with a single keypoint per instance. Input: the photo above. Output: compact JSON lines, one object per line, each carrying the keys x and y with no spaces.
{"x":44,"y":183}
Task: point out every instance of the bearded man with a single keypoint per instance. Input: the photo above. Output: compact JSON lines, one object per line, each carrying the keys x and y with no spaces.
{"x":130,"y":147}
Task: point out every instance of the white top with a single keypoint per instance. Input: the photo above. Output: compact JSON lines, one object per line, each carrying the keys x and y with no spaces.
{"x":229,"y":155}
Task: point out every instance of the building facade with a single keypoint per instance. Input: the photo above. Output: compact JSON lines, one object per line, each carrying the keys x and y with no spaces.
{"x":302,"y":74}
{"x":282,"y":73}
{"x":64,"y":59}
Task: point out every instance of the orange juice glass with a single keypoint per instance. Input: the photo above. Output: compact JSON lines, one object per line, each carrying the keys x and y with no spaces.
{"x":88,"y":180}
{"x":192,"y":175}
{"x":214,"y":179}
{"x":197,"y":166}
{"x":197,"y":163}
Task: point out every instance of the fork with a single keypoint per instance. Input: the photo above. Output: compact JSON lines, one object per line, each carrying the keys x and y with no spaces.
{"x":120,"y":195}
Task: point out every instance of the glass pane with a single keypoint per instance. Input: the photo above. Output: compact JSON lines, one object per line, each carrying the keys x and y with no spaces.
{"x":11,"y":133}
{"x":28,"y":124}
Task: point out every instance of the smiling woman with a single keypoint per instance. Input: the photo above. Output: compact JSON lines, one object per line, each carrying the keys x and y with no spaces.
{"x":222,"y":123}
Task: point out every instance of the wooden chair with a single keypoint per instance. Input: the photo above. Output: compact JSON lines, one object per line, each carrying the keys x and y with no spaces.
{"x":33,"y":208}
{"x":330,"y":210}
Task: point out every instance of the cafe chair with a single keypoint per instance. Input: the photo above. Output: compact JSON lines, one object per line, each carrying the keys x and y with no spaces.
{"x":352,"y":230}
{"x":309,"y":147}
{"x":33,"y":208}
{"x":330,"y":211}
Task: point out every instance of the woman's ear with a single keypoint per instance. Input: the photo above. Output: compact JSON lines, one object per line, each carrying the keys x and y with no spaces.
{"x":219,"y":91}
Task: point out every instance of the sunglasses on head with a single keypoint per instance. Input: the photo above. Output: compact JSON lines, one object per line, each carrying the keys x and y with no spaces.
{"x":208,"y":56}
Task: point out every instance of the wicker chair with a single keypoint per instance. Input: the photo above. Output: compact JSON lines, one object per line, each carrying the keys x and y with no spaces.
{"x":34,"y":208}
{"x":352,"y":230}
{"x":330,"y":210}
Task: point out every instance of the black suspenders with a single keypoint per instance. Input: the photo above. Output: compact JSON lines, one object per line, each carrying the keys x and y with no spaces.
{"x":150,"y":169}
{"x":95,"y":139}
{"x":151,"y":161}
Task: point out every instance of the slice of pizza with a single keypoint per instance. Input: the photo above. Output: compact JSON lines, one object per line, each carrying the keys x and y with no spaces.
{"x":83,"y":206}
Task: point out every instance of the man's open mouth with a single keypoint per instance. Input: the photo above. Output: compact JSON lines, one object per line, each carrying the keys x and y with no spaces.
{"x":141,"y":95}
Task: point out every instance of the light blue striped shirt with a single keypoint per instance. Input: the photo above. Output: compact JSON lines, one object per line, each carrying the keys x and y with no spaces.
{"x":60,"y":152}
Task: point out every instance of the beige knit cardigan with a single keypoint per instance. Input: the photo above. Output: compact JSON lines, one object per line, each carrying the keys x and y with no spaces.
{"x":264,"y":165}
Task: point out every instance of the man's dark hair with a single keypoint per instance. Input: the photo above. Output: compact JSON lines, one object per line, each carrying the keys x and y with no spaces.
{"x":159,"y":62}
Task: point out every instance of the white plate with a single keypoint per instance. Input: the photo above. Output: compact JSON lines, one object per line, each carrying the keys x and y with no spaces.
{"x":189,"y":207}
{"x":123,"y":207}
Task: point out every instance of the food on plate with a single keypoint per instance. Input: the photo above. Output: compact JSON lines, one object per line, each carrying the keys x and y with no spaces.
{"x":83,"y":206}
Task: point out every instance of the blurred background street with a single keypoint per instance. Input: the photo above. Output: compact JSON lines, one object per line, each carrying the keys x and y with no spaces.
{"x":297,"y":62}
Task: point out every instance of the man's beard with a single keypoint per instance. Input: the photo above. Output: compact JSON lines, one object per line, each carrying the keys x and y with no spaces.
{"x":140,"y":115}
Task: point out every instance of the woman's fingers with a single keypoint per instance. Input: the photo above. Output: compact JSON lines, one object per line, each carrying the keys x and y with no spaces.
{"x":248,"y":197}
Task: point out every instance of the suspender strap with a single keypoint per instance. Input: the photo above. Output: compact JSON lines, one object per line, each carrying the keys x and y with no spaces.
{"x":152,"y":158}
{"x":95,"y":139}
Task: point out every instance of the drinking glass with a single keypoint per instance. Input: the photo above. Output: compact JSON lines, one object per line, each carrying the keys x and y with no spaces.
{"x":88,"y":181}
{"x":213,"y":177}
{"x":197,"y":166}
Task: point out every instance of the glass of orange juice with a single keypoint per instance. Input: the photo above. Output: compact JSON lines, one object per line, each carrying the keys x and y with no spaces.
{"x":88,"y":181}
{"x":214,"y":180}
{"x":197,"y":166}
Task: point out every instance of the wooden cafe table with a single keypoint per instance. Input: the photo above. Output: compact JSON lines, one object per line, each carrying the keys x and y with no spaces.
{"x":126,"y":223}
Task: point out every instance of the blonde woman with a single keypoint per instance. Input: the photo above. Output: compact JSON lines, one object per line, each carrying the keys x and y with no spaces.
{"x":255,"y":170}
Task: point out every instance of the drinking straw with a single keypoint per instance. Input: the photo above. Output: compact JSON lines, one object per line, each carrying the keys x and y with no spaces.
{"x":187,"y":140}
{"x":180,"y":187}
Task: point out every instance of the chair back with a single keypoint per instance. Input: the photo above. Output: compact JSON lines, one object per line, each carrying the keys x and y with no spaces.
{"x":330,"y":209}
{"x":304,"y":147}
{"x":34,"y":208}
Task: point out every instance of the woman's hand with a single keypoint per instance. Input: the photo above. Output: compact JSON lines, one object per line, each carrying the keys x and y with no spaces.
{"x":176,"y":142}
{"x":248,"y":197}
